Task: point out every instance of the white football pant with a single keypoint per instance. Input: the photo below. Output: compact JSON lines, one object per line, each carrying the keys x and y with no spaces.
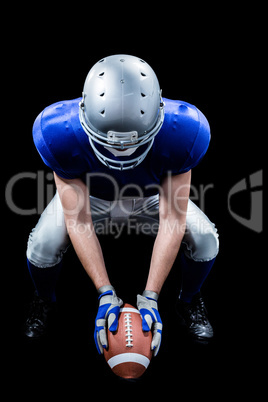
{"x":49,"y":239}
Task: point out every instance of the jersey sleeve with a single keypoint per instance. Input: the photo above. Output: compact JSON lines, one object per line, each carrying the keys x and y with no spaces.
{"x":54,"y":140}
{"x":184,"y":139}
{"x":200,"y":144}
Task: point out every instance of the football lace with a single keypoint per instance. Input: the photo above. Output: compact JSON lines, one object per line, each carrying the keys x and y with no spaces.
{"x":128,"y":330}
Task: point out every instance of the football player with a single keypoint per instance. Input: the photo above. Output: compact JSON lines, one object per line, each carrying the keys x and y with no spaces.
{"x":122,"y":154}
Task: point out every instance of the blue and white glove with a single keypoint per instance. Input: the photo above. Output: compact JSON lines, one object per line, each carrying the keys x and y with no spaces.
{"x":109,"y":309}
{"x":147,"y":305}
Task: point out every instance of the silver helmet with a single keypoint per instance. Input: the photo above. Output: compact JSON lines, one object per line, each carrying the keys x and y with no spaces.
{"x":121,"y":110}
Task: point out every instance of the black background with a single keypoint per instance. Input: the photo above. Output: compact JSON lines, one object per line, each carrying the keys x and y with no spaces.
{"x":209,"y":58}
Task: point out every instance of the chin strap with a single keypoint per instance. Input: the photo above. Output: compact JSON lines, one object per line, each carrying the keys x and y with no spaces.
{"x":126,"y":152}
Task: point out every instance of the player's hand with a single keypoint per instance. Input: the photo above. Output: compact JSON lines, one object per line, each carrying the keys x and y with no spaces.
{"x":147,"y":305}
{"x":109,"y":309}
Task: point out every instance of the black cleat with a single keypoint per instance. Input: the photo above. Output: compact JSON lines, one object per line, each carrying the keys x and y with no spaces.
{"x":37,"y":321}
{"x":194,"y":317}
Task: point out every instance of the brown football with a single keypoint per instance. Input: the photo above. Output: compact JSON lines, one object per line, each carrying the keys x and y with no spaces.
{"x":129,"y":348}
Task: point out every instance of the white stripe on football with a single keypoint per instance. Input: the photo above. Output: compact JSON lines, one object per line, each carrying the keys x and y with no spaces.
{"x":128,"y":357}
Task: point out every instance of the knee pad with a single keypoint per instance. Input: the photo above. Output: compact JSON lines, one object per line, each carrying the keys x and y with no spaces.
{"x":49,"y":239}
{"x":45,"y":249}
{"x":202,"y":245}
{"x":201,"y":240}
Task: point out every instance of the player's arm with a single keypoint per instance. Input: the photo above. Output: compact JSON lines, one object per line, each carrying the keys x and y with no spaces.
{"x":74,"y":196}
{"x":172,"y":220}
{"x":75,"y":201}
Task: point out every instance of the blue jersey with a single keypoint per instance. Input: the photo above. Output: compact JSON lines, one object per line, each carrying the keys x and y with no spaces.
{"x":64,"y":147}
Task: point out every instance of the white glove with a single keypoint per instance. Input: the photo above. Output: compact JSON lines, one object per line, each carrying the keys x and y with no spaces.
{"x":109,"y":309}
{"x":147,"y":305}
